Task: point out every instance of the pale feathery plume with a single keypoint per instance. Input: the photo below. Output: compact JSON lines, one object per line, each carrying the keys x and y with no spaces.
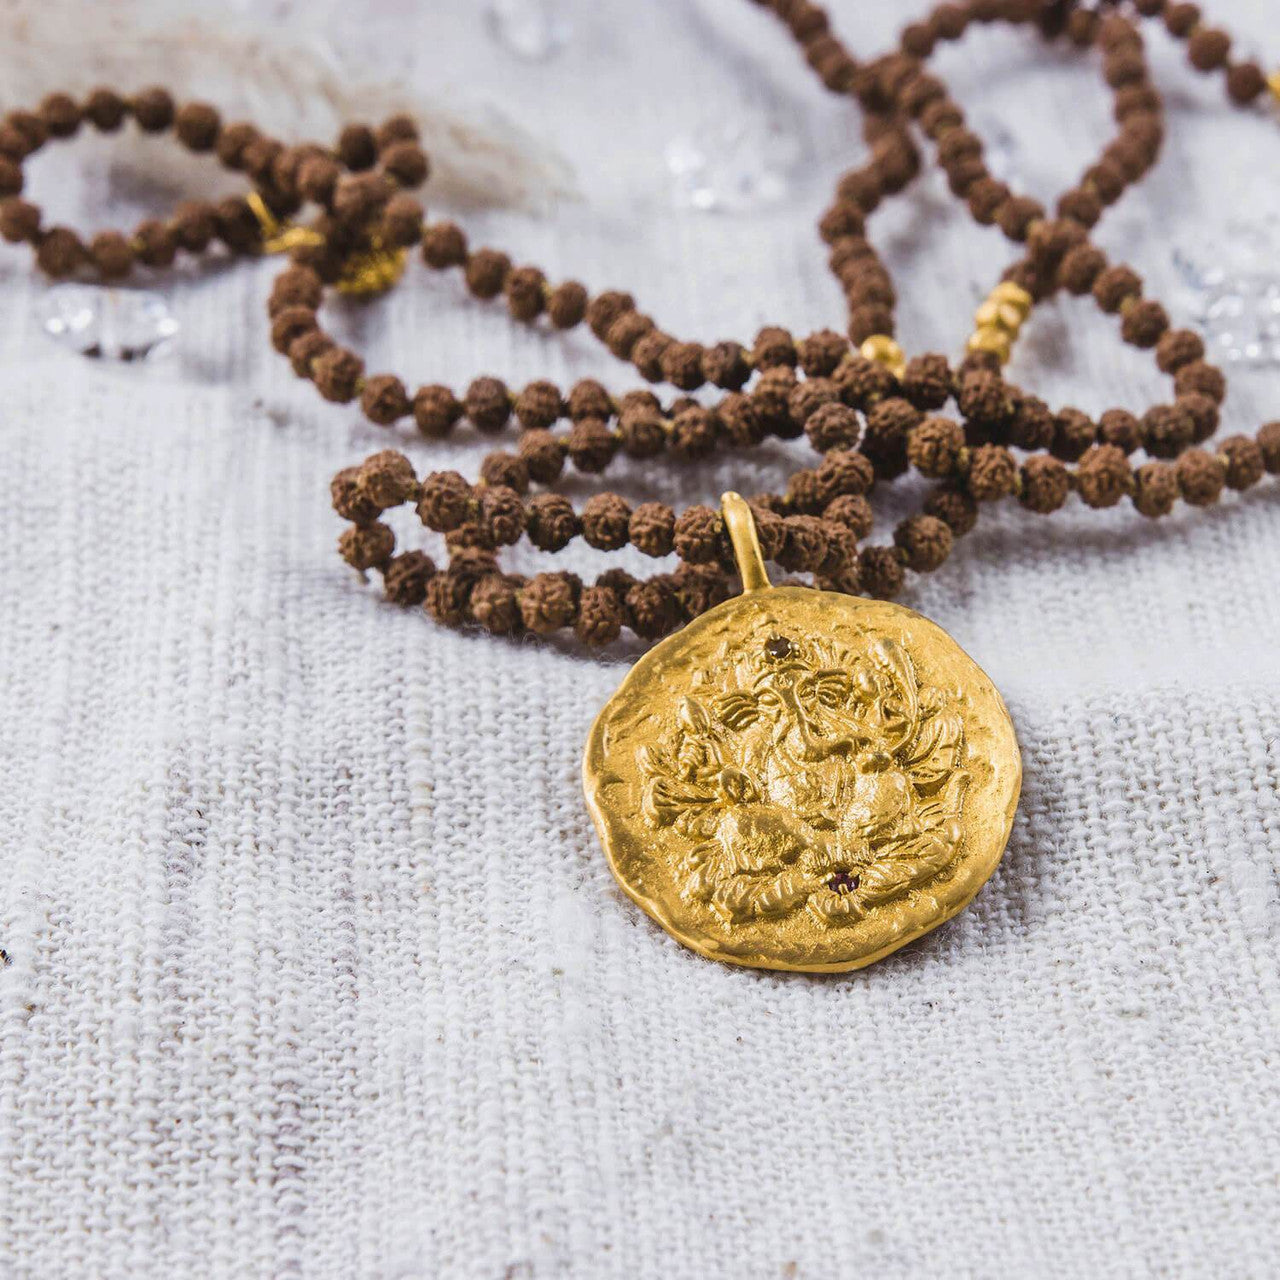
{"x":282,"y":79}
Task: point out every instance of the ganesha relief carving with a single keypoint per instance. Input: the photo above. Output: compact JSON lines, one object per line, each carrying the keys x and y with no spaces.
{"x":800,"y":779}
{"x":805,"y":775}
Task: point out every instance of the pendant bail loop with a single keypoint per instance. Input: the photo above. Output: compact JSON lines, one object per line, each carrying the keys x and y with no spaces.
{"x":741,"y":525}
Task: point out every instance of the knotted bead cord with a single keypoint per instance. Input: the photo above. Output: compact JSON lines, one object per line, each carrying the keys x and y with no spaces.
{"x":870,"y":412}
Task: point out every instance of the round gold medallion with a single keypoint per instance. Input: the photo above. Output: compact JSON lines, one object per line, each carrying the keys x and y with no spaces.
{"x":801,"y":779}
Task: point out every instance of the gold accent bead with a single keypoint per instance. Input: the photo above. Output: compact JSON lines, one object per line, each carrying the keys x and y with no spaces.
{"x":999,"y":315}
{"x":1011,"y":317}
{"x":1273,"y":83}
{"x":1013,"y":295}
{"x":987,"y":314}
{"x":883,"y":350}
{"x":998,"y":320}
{"x":992,"y":339}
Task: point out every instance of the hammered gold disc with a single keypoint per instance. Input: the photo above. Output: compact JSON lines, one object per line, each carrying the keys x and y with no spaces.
{"x":801,"y":779}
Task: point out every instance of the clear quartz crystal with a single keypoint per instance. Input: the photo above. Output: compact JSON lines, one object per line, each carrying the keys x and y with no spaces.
{"x":1235,"y":302}
{"x":107,"y":323}
{"x":734,"y":162}
{"x":1239,"y":315}
{"x":534,"y":30}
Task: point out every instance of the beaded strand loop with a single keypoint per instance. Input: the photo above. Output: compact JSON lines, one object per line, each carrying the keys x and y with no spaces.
{"x":870,"y":413}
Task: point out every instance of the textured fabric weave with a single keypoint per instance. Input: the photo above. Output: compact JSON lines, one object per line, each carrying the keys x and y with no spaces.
{"x":314,"y":967}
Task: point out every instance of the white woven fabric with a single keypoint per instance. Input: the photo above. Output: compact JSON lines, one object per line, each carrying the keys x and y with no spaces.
{"x":314,"y":968}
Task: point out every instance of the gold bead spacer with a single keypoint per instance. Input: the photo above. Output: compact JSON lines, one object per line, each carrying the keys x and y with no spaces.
{"x":999,"y":318}
{"x":1013,"y":295}
{"x":999,"y":315}
{"x":989,"y":338}
{"x":883,"y":350}
{"x":1273,"y":83}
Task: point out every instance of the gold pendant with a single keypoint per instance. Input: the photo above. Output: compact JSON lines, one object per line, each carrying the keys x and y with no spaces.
{"x":801,"y":779}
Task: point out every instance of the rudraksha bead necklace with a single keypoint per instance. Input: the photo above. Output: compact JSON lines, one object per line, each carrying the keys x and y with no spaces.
{"x":868,"y":411}
{"x":795,"y":779}
{"x":361,"y":171}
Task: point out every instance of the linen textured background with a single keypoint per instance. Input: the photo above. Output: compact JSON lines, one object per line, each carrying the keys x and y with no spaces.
{"x":314,"y":967}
